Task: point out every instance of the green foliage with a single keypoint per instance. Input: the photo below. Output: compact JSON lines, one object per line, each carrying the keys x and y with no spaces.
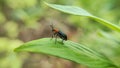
{"x":21,"y":4}
{"x":8,"y":58}
{"x":68,"y":50}
{"x":79,"y":11}
{"x":20,"y":18}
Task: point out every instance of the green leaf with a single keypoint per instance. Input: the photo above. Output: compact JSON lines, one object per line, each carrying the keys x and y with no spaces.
{"x":68,"y":50}
{"x":79,"y":11}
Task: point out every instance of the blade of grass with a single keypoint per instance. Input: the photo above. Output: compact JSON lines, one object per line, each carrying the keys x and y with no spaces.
{"x":69,"y":50}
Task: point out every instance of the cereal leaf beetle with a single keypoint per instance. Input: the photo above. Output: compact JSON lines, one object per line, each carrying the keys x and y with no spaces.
{"x":58,"y":33}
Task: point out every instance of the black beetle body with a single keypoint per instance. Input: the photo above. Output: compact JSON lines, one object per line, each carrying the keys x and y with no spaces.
{"x":59,"y":33}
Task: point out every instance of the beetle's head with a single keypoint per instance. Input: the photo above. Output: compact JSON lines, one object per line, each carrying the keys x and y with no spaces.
{"x":52,"y":27}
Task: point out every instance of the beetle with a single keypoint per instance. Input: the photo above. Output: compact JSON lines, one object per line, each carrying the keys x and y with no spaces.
{"x":58,"y":33}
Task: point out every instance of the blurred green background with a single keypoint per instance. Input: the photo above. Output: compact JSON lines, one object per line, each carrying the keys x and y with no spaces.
{"x":25,"y":20}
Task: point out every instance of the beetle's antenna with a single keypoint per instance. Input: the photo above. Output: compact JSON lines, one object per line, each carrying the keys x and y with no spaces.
{"x":51,"y":25}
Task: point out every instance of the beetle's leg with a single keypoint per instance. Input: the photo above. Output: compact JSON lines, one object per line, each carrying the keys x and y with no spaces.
{"x":56,"y":37}
{"x":62,"y":40}
{"x":53,"y":34}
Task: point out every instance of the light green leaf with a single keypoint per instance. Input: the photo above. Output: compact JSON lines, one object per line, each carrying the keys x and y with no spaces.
{"x":79,"y":11}
{"x":68,"y":50}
